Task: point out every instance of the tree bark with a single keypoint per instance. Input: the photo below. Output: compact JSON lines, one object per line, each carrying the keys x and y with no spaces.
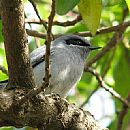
{"x":15,"y":41}
{"x":44,"y":112}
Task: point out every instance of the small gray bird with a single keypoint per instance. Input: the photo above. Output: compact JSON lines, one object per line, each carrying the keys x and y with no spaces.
{"x":68,"y":54}
{"x":67,"y":57}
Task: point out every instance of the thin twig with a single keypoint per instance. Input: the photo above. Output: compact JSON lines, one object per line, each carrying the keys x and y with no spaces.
{"x":122,"y":114}
{"x":84,"y":34}
{"x":114,"y":40}
{"x":112,"y":43}
{"x":124,"y":110}
{"x":2,"y":68}
{"x":37,"y":13}
{"x":105,"y":86}
{"x":104,"y":30}
{"x":103,"y":75}
{"x":67,"y":23}
{"x":48,"y":43}
{"x":36,"y":34}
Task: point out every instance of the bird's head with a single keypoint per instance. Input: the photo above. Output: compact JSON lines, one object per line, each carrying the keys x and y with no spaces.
{"x":76,"y":43}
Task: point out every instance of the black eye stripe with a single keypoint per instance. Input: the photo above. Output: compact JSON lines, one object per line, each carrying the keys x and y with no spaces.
{"x":78,"y":42}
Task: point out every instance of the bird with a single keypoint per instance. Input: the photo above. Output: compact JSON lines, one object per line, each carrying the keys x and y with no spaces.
{"x":68,"y":54}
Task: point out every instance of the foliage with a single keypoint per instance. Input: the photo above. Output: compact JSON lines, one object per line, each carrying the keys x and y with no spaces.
{"x":128,"y":3}
{"x":114,"y":65}
{"x":91,"y":16}
{"x":62,"y":6}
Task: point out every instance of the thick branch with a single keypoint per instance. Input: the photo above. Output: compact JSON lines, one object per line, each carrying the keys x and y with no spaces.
{"x":48,"y":113}
{"x":15,"y":41}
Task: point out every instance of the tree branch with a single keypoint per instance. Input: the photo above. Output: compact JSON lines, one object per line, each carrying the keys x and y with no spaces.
{"x":112,"y":43}
{"x":107,"y":66}
{"x":48,"y":44}
{"x":122,"y":114}
{"x":84,"y":34}
{"x":65,"y":24}
{"x":15,"y":41}
{"x":105,"y":86}
{"x":37,"y":13}
{"x":48,"y":113}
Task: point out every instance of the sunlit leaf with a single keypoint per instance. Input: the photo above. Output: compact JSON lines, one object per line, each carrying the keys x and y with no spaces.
{"x":128,"y":4}
{"x":90,"y":11}
{"x":63,"y":6}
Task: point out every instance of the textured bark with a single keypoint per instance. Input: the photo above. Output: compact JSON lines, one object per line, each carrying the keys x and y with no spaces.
{"x":15,"y":41}
{"x":44,"y":112}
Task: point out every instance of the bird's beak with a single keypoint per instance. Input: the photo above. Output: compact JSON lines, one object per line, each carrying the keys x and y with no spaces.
{"x":94,"y":47}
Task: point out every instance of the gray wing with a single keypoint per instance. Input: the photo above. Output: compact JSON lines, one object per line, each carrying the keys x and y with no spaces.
{"x":37,"y":59}
{"x":37,"y":56}
{"x":38,"y":64}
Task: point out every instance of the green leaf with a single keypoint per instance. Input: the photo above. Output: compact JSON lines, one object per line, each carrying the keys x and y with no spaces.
{"x":128,"y":4}
{"x":122,"y":73}
{"x":79,"y":27}
{"x":63,"y":6}
{"x":90,"y":11}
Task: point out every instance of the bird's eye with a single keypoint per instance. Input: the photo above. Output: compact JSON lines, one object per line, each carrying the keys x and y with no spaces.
{"x":79,"y":42}
{"x":76,"y":42}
